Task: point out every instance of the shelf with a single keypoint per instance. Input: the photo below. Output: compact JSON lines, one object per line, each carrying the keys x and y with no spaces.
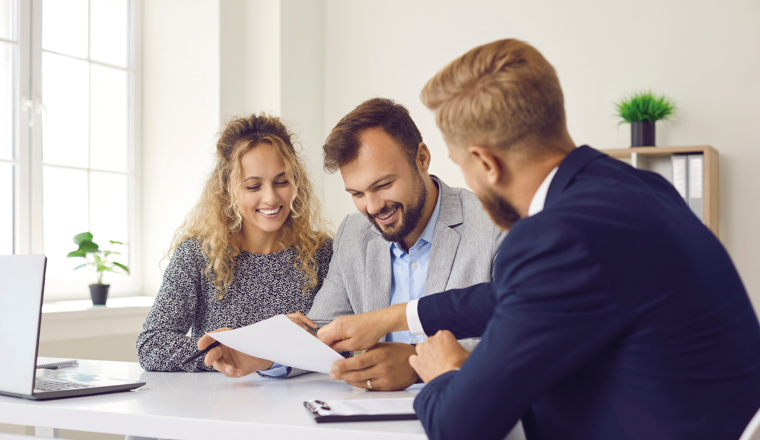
{"x":657,"y":159}
{"x":657,"y":151}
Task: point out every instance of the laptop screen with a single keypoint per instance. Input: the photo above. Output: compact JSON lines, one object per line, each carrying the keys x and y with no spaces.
{"x":22,"y":278}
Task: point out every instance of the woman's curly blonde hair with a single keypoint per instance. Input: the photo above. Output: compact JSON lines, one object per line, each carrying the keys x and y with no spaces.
{"x":215,"y":221}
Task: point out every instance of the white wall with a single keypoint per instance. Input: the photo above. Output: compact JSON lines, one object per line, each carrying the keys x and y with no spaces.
{"x":313,"y":61}
{"x":232,"y":25}
{"x":181,"y":114}
{"x":205,"y":62}
{"x":704,"y":54}
{"x":303,"y":79}
{"x":284,"y":70}
{"x":262,"y":85}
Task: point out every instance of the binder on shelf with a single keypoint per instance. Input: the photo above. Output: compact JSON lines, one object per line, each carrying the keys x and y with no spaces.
{"x":688,"y":179}
{"x":680,"y":174}
{"x":695,"y":192}
{"x":361,"y":410}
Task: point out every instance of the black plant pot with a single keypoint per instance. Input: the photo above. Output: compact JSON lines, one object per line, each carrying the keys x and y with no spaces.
{"x":642,"y":134}
{"x":99,"y":294}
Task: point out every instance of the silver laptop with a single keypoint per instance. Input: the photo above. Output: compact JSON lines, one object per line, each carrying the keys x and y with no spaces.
{"x":22,"y":281}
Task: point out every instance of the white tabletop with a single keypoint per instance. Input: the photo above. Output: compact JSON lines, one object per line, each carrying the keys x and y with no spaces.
{"x":206,"y":405}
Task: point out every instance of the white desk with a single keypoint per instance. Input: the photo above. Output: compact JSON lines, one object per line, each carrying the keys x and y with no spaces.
{"x":205,"y":406}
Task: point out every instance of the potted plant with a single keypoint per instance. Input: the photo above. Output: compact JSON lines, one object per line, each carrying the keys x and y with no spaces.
{"x":97,"y":260}
{"x":642,"y":110}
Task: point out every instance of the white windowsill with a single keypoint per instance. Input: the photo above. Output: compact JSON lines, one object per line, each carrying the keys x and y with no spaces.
{"x":79,"y":319}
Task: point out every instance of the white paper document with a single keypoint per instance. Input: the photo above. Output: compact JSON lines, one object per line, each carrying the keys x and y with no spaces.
{"x":373,"y":406}
{"x":355,"y":407}
{"x":280,"y":340}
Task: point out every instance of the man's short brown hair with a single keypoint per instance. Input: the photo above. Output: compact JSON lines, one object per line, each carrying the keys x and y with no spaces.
{"x":342,"y":145}
{"x":499,"y":94}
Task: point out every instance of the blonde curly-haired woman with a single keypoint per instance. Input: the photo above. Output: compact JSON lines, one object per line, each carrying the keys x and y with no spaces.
{"x":253,"y":247}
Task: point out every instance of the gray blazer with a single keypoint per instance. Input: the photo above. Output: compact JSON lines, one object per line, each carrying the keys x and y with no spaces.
{"x":464,"y":247}
{"x":465,"y":244}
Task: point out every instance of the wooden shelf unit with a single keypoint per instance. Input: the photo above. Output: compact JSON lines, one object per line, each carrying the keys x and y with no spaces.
{"x":657,"y":159}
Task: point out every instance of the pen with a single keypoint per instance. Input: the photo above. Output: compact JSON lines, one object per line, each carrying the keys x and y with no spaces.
{"x":200,"y":353}
{"x":57,"y":365}
{"x":313,"y":331}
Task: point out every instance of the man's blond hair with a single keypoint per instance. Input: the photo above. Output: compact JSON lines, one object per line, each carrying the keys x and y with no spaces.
{"x":502,"y":94}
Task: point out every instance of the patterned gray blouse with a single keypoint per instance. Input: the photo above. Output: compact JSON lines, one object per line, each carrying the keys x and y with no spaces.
{"x":263,"y":285}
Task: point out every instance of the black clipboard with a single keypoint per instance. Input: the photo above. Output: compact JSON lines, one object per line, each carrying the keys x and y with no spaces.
{"x":322,"y":414}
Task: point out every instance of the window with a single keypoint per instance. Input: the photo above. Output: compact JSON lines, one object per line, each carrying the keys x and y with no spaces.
{"x":67,"y":134}
{"x":9,"y":86}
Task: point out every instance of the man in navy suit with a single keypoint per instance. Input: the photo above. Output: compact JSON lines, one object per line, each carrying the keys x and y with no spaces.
{"x":614,"y":313}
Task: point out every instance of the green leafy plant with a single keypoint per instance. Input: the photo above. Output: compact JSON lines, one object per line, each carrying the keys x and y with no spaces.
{"x":96,"y":258}
{"x":645,"y":106}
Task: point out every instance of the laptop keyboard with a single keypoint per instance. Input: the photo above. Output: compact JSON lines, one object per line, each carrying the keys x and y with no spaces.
{"x":42,"y":385}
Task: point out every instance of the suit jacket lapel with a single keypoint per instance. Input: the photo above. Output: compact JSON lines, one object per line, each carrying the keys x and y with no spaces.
{"x":445,"y":240}
{"x":377,"y":288}
{"x":442,"y":255}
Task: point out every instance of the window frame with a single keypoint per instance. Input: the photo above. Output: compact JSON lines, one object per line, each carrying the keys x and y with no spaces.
{"x":28,"y":197}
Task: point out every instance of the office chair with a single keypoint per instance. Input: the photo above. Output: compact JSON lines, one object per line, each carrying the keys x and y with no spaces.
{"x":752,"y":431}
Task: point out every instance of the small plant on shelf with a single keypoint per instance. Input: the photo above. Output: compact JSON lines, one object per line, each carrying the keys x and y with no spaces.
{"x":642,"y":110}
{"x":97,"y":259}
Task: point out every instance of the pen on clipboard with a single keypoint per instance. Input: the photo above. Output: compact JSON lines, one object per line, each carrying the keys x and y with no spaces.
{"x":200,"y":353}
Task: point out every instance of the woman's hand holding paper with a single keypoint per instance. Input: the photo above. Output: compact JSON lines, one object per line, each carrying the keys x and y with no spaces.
{"x":229,"y":362}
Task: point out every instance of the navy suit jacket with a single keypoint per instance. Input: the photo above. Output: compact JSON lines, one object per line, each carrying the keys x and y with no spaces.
{"x":613,"y":314}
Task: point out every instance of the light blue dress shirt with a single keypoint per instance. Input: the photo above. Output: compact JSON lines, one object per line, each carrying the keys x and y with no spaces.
{"x":407,"y":282}
{"x":410,"y":271}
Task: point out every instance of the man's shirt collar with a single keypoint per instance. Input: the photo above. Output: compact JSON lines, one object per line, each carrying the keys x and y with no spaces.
{"x":539,"y":198}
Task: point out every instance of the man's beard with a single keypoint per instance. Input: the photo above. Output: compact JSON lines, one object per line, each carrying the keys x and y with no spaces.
{"x":501,"y":211}
{"x":411,"y":214}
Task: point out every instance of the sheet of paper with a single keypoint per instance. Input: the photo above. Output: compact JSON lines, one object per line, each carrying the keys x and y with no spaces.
{"x":280,"y":340}
{"x":370,"y":406}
